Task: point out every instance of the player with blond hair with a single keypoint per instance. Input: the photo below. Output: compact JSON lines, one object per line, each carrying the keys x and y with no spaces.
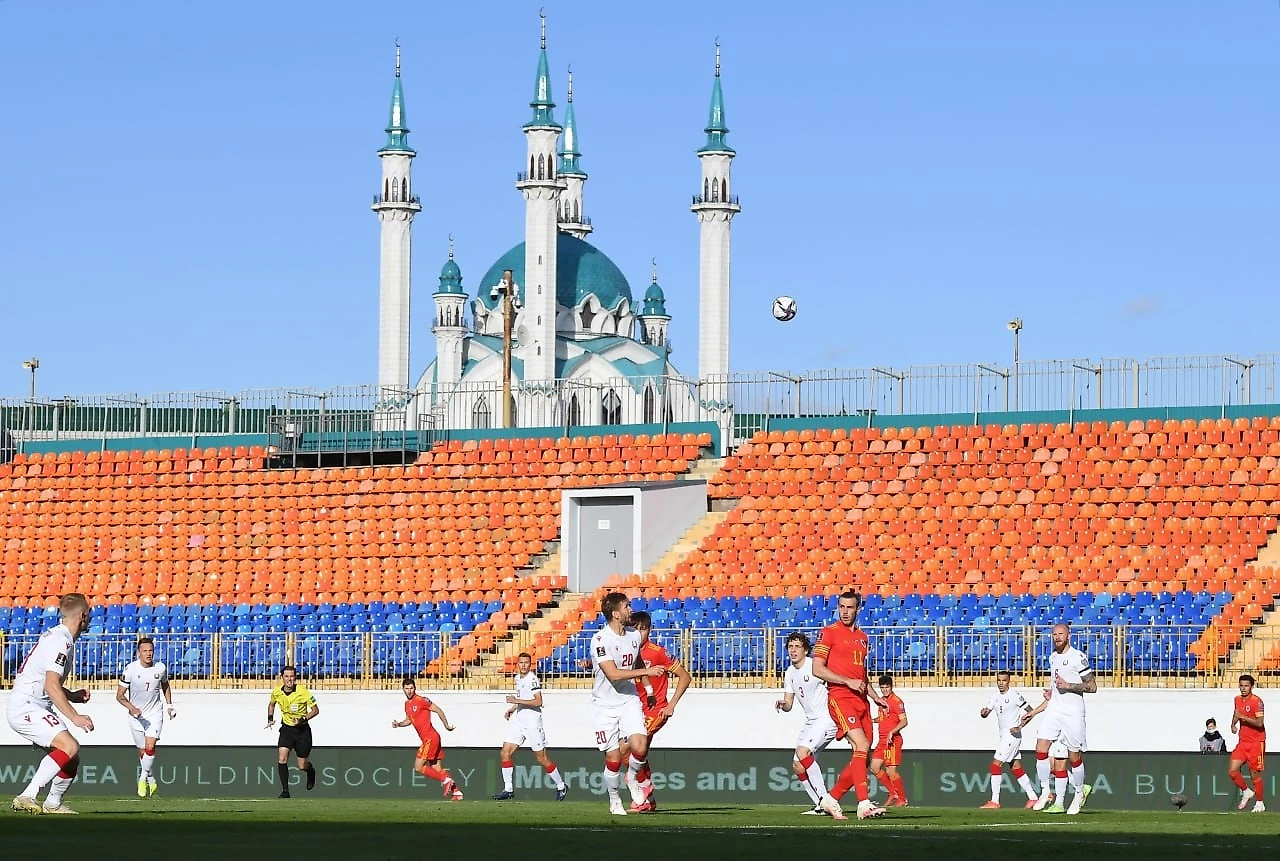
{"x":40,"y":701}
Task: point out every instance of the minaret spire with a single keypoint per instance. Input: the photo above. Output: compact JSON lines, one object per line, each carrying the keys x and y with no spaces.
{"x":573,"y":221}
{"x":396,"y":205}
{"x":542,"y":187}
{"x":715,"y":207}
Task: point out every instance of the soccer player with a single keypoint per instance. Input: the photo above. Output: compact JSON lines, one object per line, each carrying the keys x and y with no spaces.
{"x":1251,"y":744}
{"x":615,"y":703}
{"x":653,"y":702}
{"x":524,"y":727}
{"x":840,"y":660}
{"x":1071,"y":678}
{"x":888,"y":752}
{"x":144,"y":692}
{"x":38,"y":695}
{"x":417,"y":711}
{"x":297,"y":709}
{"x":818,"y":730}
{"x":1009,"y":707}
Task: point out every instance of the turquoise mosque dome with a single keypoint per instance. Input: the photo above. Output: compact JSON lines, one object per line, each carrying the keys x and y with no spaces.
{"x":582,"y":270}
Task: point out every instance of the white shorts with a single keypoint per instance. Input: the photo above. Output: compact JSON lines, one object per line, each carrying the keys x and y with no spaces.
{"x":1058,"y":750}
{"x":816,"y":734}
{"x":524,"y":729}
{"x":1009,"y":748}
{"x":150,"y":725}
{"x":34,"y":721}
{"x":1068,"y":729}
{"x":614,"y":724}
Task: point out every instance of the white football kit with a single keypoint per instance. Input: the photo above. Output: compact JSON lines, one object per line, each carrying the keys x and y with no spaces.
{"x":615,"y":706}
{"x":29,"y":711}
{"x":144,"y":688}
{"x":1008,"y":707}
{"x":1063,"y":720}
{"x":524,"y":727}
{"x":819,"y":729}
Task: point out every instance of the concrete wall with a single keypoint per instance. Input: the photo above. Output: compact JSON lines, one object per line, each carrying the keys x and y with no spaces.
{"x":940,"y":719}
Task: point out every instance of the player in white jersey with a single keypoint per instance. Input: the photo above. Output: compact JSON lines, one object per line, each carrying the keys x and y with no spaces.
{"x":615,"y":703}
{"x":1070,"y":678}
{"x":819,"y":730}
{"x":524,"y":727}
{"x":1009,"y":707}
{"x":38,"y":696}
{"x":145,"y":694}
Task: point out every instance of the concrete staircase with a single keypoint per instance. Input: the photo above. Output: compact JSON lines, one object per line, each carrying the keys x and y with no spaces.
{"x":685,"y":545}
{"x":704,"y":469}
{"x":1264,"y":637}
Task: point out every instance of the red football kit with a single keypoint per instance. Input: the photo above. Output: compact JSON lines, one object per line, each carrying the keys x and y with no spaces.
{"x":653,"y":691}
{"x":845,"y":651}
{"x":889,"y":718}
{"x":1252,"y":742}
{"x":418,"y":711}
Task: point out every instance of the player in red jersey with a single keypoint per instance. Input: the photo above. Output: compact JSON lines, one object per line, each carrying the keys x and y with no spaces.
{"x":417,"y":711}
{"x":840,"y":660}
{"x":888,"y":753}
{"x":1251,"y":745}
{"x":653,"y":701}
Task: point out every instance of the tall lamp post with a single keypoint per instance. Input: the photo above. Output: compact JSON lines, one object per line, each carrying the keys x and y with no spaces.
{"x":31,"y":365}
{"x":1015,"y":326}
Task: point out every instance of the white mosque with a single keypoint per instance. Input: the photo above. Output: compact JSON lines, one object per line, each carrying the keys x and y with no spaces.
{"x":584,"y":351}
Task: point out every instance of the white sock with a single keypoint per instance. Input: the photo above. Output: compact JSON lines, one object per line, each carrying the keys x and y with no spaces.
{"x":556,"y":779}
{"x":1044,"y":770}
{"x":633,"y":780}
{"x":45,"y":772}
{"x":807,"y":783}
{"x":611,"y":781}
{"x":815,"y":777}
{"x":508,"y":775}
{"x":1077,"y":775}
{"x":148,"y":765}
{"x":1025,"y":783}
{"x":57,"y":789}
{"x":997,"y":781}
{"x":1060,"y":789}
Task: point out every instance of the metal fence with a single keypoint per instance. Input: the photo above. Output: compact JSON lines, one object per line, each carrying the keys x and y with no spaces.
{"x":743,"y":403}
{"x":1165,"y":656}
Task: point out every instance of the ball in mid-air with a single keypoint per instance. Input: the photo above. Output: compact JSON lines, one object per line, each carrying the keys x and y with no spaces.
{"x":784,"y":308}
{"x":1178,"y":800}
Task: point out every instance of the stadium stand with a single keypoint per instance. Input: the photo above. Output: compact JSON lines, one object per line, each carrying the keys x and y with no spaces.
{"x":215,"y":552}
{"x":953,"y":531}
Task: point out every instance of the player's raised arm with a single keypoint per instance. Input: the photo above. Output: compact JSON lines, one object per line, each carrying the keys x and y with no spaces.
{"x":444,"y":720}
{"x":62,"y":699}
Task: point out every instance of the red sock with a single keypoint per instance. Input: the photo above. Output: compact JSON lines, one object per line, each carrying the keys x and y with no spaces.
{"x":860,"y":775}
{"x":1018,"y":773}
{"x":435,"y":773}
{"x":548,"y":768}
{"x":845,"y":781}
{"x":1238,"y":779}
{"x":899,"y":788}
{"x":644,"y":773}
{"x":1257,"y":786}
{"x":997,"y":770}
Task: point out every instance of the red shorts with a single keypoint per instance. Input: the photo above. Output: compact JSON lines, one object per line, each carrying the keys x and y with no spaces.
{"x":1250,"y":753}
{"x":654,"y":721}
{"x":889,"y":754}
{"x":430,"y":750}
{"x":849,"y":713}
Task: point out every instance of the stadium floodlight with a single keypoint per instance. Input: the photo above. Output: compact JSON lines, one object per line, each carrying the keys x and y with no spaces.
{"x":1015,"y":326}
{"x":31,"y":365}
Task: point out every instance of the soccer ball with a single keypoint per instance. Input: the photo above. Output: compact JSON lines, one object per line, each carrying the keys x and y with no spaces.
{"x":784,"y":308}
{"x":1178,"y":800}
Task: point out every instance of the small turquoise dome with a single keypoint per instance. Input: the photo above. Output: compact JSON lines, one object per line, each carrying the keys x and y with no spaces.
{"x":450,"y":277}
{"x":655,"y":303}
{"x":582,"y":270}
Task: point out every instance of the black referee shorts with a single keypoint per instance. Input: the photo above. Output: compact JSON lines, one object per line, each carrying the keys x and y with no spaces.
{"x":296,"y":738}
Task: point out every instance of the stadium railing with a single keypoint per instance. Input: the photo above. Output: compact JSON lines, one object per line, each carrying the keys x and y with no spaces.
{"x":1156,"y":656}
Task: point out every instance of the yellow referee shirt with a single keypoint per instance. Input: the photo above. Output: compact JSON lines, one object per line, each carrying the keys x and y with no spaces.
{"x":293,"y":706}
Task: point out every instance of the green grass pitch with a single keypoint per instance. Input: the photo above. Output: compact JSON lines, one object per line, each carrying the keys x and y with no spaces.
{"x":302,"y":829}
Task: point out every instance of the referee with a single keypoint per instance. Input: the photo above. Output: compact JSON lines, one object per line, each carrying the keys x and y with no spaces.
{"x":297,"y":709}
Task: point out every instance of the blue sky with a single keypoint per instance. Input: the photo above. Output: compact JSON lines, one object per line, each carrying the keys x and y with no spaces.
{"x":184,"y":187}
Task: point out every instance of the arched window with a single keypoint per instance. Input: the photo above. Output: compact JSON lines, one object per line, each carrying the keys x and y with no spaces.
{"x":576,"y":216}
{"x":386,"y":190}
{"x":724,"y":190}
{"x":648,"y":405}
{"x":715,"y":190}
{"x":551,"y":168}
{"x":480,"y":415}
{"x":404,"y":189}
{"x":575,"y":412}
{"x":706,"y":190}
{"x":542,"y":168}
{"x":531,"y":167}
{"x":611,"y":409}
